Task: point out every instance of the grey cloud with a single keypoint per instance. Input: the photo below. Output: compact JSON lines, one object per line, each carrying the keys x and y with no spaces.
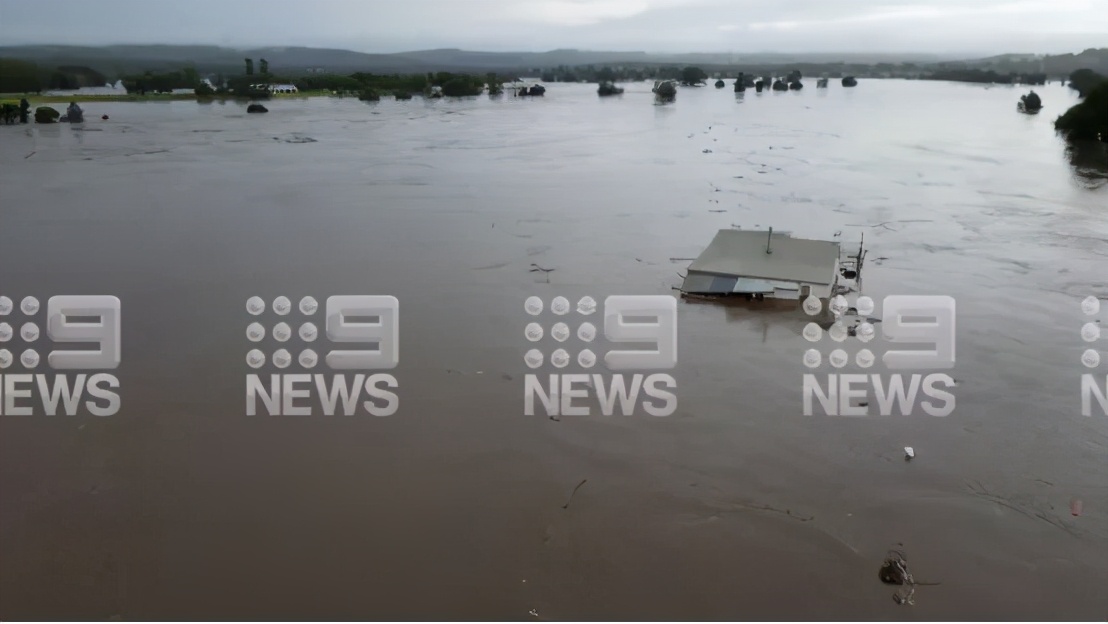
{"x":942,"y":26}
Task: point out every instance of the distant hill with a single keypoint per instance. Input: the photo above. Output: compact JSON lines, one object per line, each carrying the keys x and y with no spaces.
{"x":1052,"y":64}
{"x":118,"y":60}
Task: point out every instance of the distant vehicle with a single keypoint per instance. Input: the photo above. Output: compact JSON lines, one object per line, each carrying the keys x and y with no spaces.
{"x":73,"y":114}
{"x":609,"y":88}
{"x":849,"y":81}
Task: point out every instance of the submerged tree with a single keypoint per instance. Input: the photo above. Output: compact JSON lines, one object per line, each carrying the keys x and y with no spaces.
{"x":264,"y":66}
{"x":1087,"y":120}
{"x":693,"y":76}
{"x":1085,"y":80}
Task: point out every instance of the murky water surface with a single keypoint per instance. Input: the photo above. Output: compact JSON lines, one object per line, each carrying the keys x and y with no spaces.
{"x":737,"y":506}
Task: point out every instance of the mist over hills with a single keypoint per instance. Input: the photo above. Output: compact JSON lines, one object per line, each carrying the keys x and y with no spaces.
{"x":118,"y":60}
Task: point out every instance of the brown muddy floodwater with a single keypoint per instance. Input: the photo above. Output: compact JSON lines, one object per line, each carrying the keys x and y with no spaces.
{"x":738,"y":506}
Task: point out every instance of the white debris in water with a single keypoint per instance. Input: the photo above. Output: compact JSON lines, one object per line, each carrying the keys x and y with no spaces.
{"x":909,"y":452}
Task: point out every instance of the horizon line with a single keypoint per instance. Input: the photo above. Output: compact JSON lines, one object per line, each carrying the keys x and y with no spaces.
{"x":968,"y":54}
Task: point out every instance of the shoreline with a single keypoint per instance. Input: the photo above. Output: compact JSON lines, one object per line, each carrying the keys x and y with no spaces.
{"x":130,"y":97}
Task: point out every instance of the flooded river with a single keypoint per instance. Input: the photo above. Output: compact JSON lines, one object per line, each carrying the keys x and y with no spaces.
{"x":737,"y":506}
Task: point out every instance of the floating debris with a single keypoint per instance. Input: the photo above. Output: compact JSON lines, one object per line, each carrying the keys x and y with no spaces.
{"x":1075,"y":507}
{"x":566,"y":506}
{"x":894,"y":571}
{"x":909,"y":453}
{"x":295,"y":138}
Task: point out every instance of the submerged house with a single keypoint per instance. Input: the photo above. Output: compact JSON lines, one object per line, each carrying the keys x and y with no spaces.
{"x":764,"y":264}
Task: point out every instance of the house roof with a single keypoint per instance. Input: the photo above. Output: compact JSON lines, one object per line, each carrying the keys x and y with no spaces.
{"x":742,"y":253}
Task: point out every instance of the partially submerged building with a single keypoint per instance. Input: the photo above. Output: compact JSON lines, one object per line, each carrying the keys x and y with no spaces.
{"x":763,"y":264}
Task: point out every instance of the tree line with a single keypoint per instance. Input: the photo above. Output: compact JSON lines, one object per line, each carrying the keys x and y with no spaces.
{"x":24,"y":77}
{"x":1088,"y":119}
{"x":985,"y":76}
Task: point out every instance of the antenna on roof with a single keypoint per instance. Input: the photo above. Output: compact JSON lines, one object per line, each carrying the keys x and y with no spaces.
{"x":769,"y":239}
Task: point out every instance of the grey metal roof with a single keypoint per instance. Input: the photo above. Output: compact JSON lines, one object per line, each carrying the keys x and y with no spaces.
{"x":742,"y":253}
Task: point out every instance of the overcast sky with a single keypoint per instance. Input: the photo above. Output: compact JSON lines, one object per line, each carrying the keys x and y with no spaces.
{"x":938,"y":26}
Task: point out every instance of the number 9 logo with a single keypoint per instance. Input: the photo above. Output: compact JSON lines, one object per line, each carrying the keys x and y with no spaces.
{"x":384,"y":332}
{"x":104,"y":331}
{"x":933,"y":325}
{"x":662,"y":332}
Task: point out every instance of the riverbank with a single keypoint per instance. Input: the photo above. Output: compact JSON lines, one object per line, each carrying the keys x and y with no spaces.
{"x":36,"y":99}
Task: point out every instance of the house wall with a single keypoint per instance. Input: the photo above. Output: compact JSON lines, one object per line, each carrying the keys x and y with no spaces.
{"x":699,"y":282}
